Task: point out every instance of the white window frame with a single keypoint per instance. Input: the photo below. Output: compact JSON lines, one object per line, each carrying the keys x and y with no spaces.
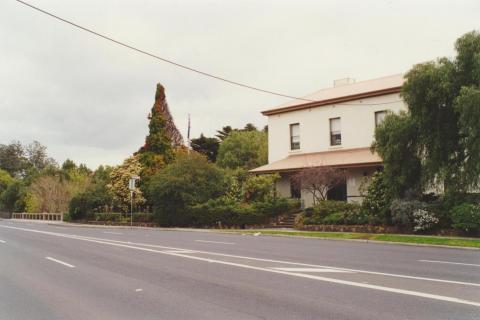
{"x":294,"y":139}
{"x":335,"y":135}
{"x":377,"y":113}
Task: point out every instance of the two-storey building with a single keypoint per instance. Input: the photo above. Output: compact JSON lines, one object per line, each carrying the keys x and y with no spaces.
{"x":331,"y":127}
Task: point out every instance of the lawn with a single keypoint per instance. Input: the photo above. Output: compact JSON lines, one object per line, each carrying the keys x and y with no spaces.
{"x":415,"y":239}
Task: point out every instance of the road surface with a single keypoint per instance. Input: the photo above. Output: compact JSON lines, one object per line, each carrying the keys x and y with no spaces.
{"x":64,"y":272}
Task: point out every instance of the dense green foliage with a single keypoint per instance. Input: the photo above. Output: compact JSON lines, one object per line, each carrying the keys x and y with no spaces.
{"x":377,"y":199}
{"x":224,"y":213}
{"x":206,"y":146}
{"x":466,"y":217}
{"x":335,"y":212}
{"x":191,"y":179}
{"x":95,"y":199}
{"x":245,"y":149}
{"x":438,"y":142}
{"x":395,"y":142}
{"x":402,"y":212}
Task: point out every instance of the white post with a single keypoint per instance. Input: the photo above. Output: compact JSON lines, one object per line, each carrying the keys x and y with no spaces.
{"x":131,"y":186}
{"x":131,"y":209}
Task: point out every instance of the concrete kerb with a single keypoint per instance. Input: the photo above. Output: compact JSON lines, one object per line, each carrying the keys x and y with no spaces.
{"x":67,"y":224}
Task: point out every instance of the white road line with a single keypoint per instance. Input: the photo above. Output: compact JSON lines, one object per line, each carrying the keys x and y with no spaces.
{"x":138,"y":290}
{"x":180,"y":251}
{"x":220,"y":242}
{"x":300,"y":275}
{"x":111,"y":232}
{"x":449,"y":262}
{"x":254,"y":259}
{"x":3,"y":241}
{"x":61,"y":262}
{"x":311,"y":270}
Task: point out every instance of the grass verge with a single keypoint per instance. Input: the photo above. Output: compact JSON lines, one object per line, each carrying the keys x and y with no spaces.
{"x":415,"y":239}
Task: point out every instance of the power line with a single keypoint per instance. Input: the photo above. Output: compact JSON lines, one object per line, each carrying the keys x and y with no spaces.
{"x":206,"y":74}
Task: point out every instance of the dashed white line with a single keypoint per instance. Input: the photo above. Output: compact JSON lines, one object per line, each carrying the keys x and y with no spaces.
{"x":251,"y":267}
{"x":111,"y":232}
{"x":250,"y":258}
{"x":60,"y":262}
{"x":138,"y":290}
{"x":450,"y":262}
{"x":220,"y":242}
{"x":3,"y":241}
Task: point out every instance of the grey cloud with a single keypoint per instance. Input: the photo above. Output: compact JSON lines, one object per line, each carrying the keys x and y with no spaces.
{"x":88,"y":100}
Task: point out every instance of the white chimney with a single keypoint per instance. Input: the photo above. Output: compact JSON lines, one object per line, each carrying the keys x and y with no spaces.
{"x":343,"y":82}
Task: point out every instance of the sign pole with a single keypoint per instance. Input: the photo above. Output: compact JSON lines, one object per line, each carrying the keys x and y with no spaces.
{"x":131,"y":209}
{"x":131,"y":186}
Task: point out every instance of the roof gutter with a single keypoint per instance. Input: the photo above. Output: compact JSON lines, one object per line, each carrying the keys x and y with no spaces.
{"x":320,"y":103}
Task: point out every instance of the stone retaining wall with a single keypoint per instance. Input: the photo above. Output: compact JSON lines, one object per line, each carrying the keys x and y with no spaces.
{"x":350,"y":228}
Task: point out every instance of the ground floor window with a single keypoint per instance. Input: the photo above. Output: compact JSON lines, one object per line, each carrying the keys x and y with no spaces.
{"x":295,"y":191}
{"x":338,"y":193}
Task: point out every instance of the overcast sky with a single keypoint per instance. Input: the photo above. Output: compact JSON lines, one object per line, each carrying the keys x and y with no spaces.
{"x":88,"y":99}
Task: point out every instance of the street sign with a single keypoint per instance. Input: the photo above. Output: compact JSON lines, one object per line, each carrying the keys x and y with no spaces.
{"x":131,"y":186}
{"x":131,"y":182}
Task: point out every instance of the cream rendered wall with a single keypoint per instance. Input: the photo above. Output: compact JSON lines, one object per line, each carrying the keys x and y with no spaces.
{"x":282,"y":186}
{"x":355,"y":179}
{"x":357,"y":121}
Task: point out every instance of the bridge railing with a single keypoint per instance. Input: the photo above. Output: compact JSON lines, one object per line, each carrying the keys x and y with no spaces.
{"x":38,"y":216}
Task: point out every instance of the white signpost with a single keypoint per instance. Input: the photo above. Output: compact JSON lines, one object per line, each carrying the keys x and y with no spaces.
{"x":131,"y":186}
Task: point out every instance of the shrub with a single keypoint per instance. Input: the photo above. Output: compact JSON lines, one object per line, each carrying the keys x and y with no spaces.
{"x":402,"y":212}
{"x":423,"y":220}
{"x":246,"y":149}
{"x":85,"y":204}
{"x":190,"y":180}
{"x":259,"y":187}
{"x":335,"y":212}
{"x":224,"y":212}
{"x":143,"y":217}
{"x":377,"y":200}
{"x":334,"y":218}
{"x":327,"y":207}
{"x":466,"y":217}
{"x":108,"y":216}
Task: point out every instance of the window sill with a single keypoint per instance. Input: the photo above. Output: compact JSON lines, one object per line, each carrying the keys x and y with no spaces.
{"x":335,"y":147}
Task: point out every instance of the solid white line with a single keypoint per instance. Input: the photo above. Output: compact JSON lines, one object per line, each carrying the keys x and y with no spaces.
{"x":111,"y":232}
{"x":180,"y":251}
{"x":449,"y":262}
{"x":220,"y":242}
{"x":311,"y":270}
{"x":260,"y":259}
{"x":61,"y":262}
{"x":300,"y":275}
{"x":255,"y":259}
{"x":3,"y":241}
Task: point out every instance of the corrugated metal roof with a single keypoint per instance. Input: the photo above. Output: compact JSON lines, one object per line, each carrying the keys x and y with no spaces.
{"x":352,"y":90}
{"x":338,"y":158}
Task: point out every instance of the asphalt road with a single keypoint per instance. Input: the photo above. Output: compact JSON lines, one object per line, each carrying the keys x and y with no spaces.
{"x":64,"y":272}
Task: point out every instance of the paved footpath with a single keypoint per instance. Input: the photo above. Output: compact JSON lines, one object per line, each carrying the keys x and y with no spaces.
{"x":68,"y":272}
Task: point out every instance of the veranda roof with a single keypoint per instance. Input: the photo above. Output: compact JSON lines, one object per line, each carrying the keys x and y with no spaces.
{"x":359,"y":157}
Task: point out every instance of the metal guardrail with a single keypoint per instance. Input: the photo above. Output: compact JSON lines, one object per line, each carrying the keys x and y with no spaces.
{"x":39,"y":216}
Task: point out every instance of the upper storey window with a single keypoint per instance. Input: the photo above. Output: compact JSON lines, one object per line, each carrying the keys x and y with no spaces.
{"x":295,"y":136}
{"x":335,"y":132}
{"x":379,"y":117}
